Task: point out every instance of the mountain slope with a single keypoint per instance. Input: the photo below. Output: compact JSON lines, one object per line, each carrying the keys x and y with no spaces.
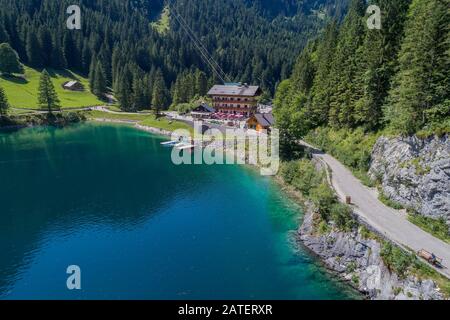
{"x":252,"y":41}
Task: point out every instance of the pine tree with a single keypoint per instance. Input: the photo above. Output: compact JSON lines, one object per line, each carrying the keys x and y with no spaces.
{"x":47,"y":98}
{"x":70,"y":51}
{"x":46,"y":46}
{"x":58,"y":61}
{"x":86,"y":57}
{"x":123,"y":88}
{"x":177,"y":92}
{"x":4,"y":105}
{"x":140,"y":97}
{"x":9,"y":60}
{"x":421,"y":86}
{"x":347,"y":67}
{"x":4,"y":37}
{"x":99,"y":85}
{"x":159,"y":95}
{"x":320,"y":92}
{"x":201,"y":83}
{"x":34,"y":51}
{"x":92,"y":69}
{"x":380,"y":51}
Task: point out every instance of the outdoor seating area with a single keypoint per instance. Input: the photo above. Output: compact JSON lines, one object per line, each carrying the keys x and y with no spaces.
{"x":227,"y":116}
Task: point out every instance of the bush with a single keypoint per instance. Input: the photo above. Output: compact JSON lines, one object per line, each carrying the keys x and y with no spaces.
{"x":288,"y":171}
{"x":352,"y":148}
{"x":341,"y":214}
{"x":302,"y":175}
{"x":396,"y":259}
{"x":183,"y":108}
{"x":323,"y":198}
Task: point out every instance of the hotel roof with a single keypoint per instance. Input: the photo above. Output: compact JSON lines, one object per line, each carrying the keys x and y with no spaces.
{"x":234,"y":90}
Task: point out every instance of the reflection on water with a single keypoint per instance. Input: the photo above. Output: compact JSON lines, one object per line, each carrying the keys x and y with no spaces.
{"x":108,"y":199}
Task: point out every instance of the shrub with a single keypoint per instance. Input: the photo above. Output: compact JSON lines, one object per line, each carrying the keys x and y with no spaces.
{"x":323,"y":198}
{"x":341,"y":214}
{"x":302,"y":175}
{"x":352,"y":148}
{"x":288,"y":171}
{"x":306,"y":177}
{"x":396,"y":259}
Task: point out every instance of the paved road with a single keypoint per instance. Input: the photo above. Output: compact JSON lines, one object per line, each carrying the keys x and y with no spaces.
{"x":392,"y":223}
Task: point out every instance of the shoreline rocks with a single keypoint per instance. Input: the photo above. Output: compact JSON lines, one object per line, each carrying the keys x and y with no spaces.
{"x":357,"y":260}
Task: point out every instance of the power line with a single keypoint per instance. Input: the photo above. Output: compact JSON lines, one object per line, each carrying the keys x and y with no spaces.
{"x":204,"y":54}
{"x":201,"y":44}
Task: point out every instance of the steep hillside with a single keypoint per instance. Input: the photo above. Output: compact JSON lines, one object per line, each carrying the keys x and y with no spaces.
{"x":251,"y":41}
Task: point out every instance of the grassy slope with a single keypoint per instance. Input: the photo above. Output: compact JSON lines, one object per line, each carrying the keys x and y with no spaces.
{"x":22,"y":93}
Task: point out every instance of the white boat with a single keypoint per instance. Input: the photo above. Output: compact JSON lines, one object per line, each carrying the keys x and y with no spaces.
{"x":169,"y":143}
{"x":185,"y":146}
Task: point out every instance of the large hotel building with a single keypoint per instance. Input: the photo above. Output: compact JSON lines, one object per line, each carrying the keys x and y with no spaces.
{"x":235,"y":98}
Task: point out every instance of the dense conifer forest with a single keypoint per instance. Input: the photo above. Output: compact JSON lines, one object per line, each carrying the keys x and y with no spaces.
{"x":351,"y":77}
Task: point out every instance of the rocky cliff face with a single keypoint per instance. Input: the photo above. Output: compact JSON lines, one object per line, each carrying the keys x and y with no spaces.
{"x":358,"y":261}
{"x":415,"y":173}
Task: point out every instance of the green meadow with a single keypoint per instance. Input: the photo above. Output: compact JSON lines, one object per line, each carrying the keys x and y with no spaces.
{"x":23,"y":92}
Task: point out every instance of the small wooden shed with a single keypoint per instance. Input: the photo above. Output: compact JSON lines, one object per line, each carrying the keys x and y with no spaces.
{"x":73,"y":86}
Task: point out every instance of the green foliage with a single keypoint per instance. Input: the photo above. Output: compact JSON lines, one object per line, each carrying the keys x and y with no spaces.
{"x":323,"y":227}
{"x":99,"y":82}
{"x":366,"y":233}
{"x":302,"y":175}
{"x":355,"y":279}
{"x":345,"y":84}
{"x":351,"y":147}
{"x":420,"y":91}
{"x":4,"y":105}
{"x":289,"y":119}
{"x":255,"y":42}
{"x":160,"y":94}
{"x":38,"y":119}
{"x":183,"y":108}
{"x":162,"y":26}
{"x":341,"y":215}
{"x":404,"y":263}
{"x":9,"y":60}
{"x":22,"y":91}
{"x":378,"y":58}
{"x":390,"y":203}
{"x":34,"y":52}
{"x":324,"y":199}
{"x":351,"y":267}
{"x":437,"y":227}
{"x":353,"y":77}
{"x":396,"y":259}
{"x":47,"y":96}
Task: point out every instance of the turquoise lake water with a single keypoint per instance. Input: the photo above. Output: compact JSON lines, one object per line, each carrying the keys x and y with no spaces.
{"x":108,"y":199}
